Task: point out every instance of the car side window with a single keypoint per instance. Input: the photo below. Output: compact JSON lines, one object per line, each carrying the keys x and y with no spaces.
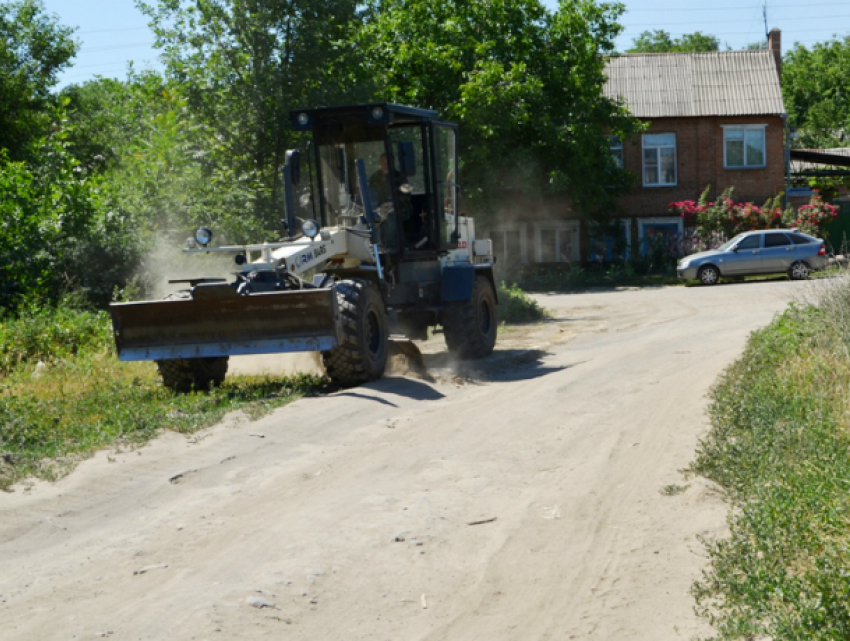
{"x":799,"y":239}
{"x":750,"y":242}
{"x":776,"y":239}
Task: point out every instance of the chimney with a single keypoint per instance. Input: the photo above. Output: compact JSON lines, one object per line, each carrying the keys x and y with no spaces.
{"x":774,"y":45}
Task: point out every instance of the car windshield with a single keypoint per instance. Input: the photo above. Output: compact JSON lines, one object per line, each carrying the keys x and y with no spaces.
{"x":730,"y":243}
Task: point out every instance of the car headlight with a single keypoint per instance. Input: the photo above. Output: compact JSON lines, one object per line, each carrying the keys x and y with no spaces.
{"x":310,"y":228}
{"x":203,"y":235}
{"x":684,"y":263}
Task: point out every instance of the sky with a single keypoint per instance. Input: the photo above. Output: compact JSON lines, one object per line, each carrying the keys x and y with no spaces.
{"x":112,"y":33}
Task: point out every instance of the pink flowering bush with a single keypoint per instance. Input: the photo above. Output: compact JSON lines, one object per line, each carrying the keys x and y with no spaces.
{"x":714,"y":222}
{"x":812,"y":217}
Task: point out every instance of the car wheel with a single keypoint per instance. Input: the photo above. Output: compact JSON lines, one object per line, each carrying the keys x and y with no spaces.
{"x":708,"y":275}
{"x":799,"y":271}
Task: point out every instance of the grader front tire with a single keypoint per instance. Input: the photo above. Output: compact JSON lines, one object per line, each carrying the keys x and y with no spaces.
{"x":186,"y":374}
{"x":361,"y":355}
{"x":470,"y":327}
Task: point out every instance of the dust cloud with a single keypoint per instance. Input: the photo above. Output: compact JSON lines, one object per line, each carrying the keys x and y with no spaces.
{"x":167,"y":260}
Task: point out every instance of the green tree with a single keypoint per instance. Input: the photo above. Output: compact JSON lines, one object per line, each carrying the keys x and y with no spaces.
{"x":161,"y":162}
{"x":524,"y":83}
{"x":660,"y":41}
{"x":59,"y":229}
{"x":243,"y":65}
{"x":814,"y":86}
{"x":34,"y":48}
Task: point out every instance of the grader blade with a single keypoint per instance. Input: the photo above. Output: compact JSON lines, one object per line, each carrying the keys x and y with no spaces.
{"x":217,"y":323}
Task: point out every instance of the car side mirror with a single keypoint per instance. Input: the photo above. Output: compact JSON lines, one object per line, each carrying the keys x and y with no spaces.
{"x":735,"y":249}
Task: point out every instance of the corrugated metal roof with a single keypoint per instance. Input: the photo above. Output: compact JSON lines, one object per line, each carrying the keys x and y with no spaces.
{"x":717,"y":83}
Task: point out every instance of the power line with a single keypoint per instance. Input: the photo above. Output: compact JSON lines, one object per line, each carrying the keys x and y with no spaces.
{"x":652,"y":24}
{"x":734,"y":8}
{"x":115,"y":47}
{"x":83,"y":33}
{"x":786,"y":33}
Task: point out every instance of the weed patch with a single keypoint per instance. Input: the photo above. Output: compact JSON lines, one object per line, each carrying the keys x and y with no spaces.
{"x":779,"y":447}
{"x":515,"y":306}
{"x":50,"y":333}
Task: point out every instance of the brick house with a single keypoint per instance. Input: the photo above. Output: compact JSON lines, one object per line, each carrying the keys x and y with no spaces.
{"x":713,"y":118}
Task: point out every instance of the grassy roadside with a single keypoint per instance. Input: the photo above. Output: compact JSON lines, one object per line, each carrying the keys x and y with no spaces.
{"x":64,"y":395}
{"x":779,"y":446}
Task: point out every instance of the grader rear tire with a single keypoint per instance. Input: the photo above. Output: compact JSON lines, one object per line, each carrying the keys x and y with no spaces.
{"x":186,"y":374}
{"x":470,"y":327}
{"x":361,"y":355}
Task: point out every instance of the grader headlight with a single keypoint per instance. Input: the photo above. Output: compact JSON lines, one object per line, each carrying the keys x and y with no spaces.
{"x":203,"y":236}
{"x":310,"y":228}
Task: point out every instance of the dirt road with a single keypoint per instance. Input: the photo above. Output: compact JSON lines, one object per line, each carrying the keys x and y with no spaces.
{"x":517,"y":499}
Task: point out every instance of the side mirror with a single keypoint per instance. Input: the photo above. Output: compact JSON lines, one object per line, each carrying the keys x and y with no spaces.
{"x":407,"y":158}
{"x":293,"y":159}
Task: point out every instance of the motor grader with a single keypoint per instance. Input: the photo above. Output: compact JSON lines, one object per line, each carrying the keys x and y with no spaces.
{"x":374,"y":252}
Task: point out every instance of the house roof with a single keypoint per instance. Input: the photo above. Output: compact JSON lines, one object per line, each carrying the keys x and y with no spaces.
{"x":717,"y":83}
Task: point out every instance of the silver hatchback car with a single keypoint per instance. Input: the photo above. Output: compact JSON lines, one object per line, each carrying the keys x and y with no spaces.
{"x":772,"y":251}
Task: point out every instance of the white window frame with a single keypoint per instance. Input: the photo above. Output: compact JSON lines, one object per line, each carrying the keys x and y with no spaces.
{"x":615,"y":145}
{"x":523,"y":240}
{"x":745,"y":128}
{"x":643,"y":223}
{"x":557,"y":226}
{"x":658,"y":149}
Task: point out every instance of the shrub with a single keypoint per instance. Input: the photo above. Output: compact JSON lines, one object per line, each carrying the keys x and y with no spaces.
{"x":59,"y":231}
{"x":724,"y":218}
{"x":49,"y":333}
{"x":515,"y":306}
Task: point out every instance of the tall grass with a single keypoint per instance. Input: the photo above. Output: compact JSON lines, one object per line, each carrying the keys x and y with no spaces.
{"x":39,"y":333}
{"x":780,"y":448}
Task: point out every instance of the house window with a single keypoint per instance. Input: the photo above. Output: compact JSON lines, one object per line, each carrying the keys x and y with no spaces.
{"x":509,"y":246}
{"x":659,"y":160}
{"x":616,"y":147}
{"x":743,"y":146}
{"x":557,"y":242}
